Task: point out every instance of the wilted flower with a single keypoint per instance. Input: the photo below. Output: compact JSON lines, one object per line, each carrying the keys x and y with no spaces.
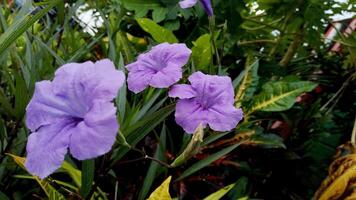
{"x":75,"y":112}
{"x":190,"y":3}
{"x":161,"y":67}
{"x":208,"y":100}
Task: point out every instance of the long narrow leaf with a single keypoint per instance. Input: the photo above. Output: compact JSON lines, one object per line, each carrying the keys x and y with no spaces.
{"x":20,"y":26}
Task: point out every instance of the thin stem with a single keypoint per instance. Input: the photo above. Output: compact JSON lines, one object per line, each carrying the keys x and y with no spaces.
{"x":343,"y":87}
{"x":146,"y":157}
{"x":213,"y":44}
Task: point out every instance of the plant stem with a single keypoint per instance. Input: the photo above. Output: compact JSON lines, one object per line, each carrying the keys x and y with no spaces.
{"x":213,"y":44}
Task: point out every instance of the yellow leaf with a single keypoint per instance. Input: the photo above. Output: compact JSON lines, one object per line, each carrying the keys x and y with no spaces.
{"x":341,"y":180}
{"x":220,"y":193}
{"x":50,"y":191}
{"x":162,"y":192}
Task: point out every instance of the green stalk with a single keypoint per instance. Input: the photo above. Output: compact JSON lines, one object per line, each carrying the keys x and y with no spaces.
{"x":214,"y":48}
{"x":88,"y":168}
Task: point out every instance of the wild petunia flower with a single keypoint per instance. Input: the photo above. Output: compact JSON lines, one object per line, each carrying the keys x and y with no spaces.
{"x":209,"y":100}
{"x":73,"y":112}
{"x":206,"y":5}
{"x":161,"y":67}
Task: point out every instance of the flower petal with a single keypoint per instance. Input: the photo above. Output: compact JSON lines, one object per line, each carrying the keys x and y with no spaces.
{"x":84,"y":82}
{"x":182,"y":91}
{"x":166,"y":77}
{"x":96,"y":134}
{"x":138,"y":80}
{"x":47,"y":147}
{"x":46,"y":108}
{"x":187,"y":3}
{"x":213,"y":89}
{"x":189,"y":115}
{"x":161,"y":67}
{"x":207,"y":7}
{"x":224,"y":117}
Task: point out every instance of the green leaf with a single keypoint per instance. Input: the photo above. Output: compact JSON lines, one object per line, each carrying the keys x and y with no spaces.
{"x":159,"y":14}
{"x":141,"y":7}
{"x":220,"y":193}
{"x":139,"y":130}
{"x":73,"y":172}
{"x":249,"y":82}
{"x":267,"y":141}
{"x":239,"y":191}
{"x":21,"y":25}
{"x":158,"y":33}
{"x":207,"y":161}
{"x":201,"y":52}
{"x":279,"y":96}
{"x":88,"y":168}
{"x":154,"y":166}
{"x":49,"y":190}
{"x":21,"y":97}
{"x":192,"y":148}
{"x":162,"y":192}
{"x":3,"y":196}
{"x":5,"y":105}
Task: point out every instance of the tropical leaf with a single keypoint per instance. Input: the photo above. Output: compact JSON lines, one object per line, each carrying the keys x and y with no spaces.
{"x":279,"y":96}
{"x":162,"y":192}
{"x":220,"y":193}
{"x":158,"y":33}
{"x":201,"y":53}
{"x":192,"y":148}
{"x":340,"y":183}
{"x":249,"y":82}
{"x":141,"y":7}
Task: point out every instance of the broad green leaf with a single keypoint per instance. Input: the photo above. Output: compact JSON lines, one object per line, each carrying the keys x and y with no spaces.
{"x":49,"y":190}
{"x":192,"y":148}
{"x":88,"y":168}
{"x":279,"y":96}
{"x":159,"y":14}
{"x":154,"y":166}
{"x":249,"y":82}
{"x":201,"y":52}
{"x":141,"y":7}
{"x":207,"y":161}
{"x":21,"y":25}
{"x":220,"y":193}
{"x":162,"y":192}
{"x":157,"y":32}
{"x":266,"y":141}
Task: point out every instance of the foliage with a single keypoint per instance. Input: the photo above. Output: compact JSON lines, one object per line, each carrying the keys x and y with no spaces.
{"x":297,"y":96}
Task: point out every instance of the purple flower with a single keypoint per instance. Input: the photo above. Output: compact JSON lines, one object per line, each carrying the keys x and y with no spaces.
{"x":161,"y":67}
{"x":208,"y":100}
{"x":75,"y":112}
{"x":190,"y":3}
